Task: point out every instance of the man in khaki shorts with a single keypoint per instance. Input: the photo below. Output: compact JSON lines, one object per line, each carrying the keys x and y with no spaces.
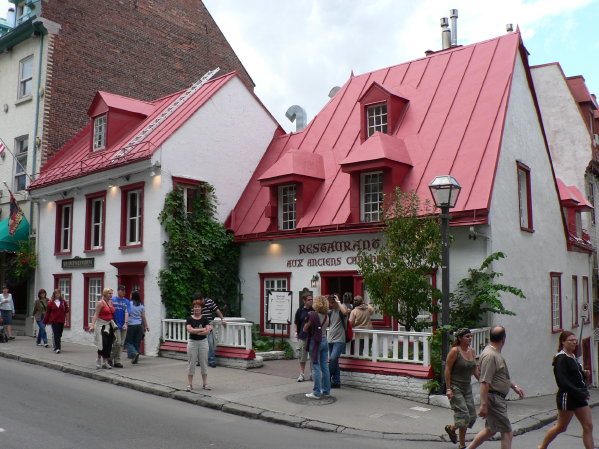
{"x":300,"y":317}
{"x":495,"y":384}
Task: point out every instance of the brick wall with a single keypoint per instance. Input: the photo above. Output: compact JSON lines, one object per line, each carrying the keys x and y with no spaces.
{"x":142,"y":49}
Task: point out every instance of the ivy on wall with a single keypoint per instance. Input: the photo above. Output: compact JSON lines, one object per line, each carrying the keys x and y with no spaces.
{"x":200,"y":255}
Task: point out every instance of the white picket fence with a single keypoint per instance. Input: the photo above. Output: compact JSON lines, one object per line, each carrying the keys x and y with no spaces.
{"x":237,"y":333}
{"x":401,"y":346}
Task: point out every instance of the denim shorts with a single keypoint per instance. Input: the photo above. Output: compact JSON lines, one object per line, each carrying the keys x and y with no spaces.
{"x":7,"y":316}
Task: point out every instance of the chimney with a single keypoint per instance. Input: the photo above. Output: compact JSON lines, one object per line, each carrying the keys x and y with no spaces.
{"x":298,"y":114}
{"x":453,"y":15}
{"x":11,"y":17}
{"x":445,"y":34}
{"x":509,"y":27}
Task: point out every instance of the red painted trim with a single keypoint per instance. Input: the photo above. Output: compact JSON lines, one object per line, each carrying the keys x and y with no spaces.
{"x":559,"y":277}
{"x":69,"y":276}
{"x":235,"y":353}
{"x":175,"y":346}
{"x":386,"y":368}
{"x":522,"y":167}
{"x":57,"y":230}
{"x":575,"y":301}
{"x":86,"y":278}
{"x":88,"y":220}
{"x":263,"y":276}
{"x":124,"y":208}
{"x":177,"y":181}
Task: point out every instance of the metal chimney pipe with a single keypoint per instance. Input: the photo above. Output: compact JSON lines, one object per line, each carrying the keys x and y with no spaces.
{"x":298,"y":115}
{"x":445,"y":34}
{"x":453,"y":14}
{"x":509,"y":27}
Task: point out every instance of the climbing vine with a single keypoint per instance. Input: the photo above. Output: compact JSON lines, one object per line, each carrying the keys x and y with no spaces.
{"x":200,"y":255}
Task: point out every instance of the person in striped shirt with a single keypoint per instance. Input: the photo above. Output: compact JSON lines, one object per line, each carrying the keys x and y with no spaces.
{"x":209,"y":310}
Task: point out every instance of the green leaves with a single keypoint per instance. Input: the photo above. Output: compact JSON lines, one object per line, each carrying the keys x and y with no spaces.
{"x":200,"y":254}
{"x":397,"y":274}
{"x":479,"y":294}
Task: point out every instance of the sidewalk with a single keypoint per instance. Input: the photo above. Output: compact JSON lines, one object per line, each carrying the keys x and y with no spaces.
{"x":272,"y":393}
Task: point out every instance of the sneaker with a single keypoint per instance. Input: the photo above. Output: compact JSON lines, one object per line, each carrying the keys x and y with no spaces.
{"x":98,"y":364}
{"x":106,"y":365}
{"x":117,"y":365}
{"x":46,"y":345}
{"x":212,"y":364}
{"x":451,"y":432}
{"x":39,"y":344}
{"x":312,"y":396}
{"x":57,"y":351}
{"x":301,"y":377}
{"x":335,"y":385}
{"x":135,"y":358}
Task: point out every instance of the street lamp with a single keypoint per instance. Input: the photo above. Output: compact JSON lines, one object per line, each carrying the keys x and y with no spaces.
{"x":445,"y":190}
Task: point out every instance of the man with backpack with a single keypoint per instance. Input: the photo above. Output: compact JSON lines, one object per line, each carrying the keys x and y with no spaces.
{"x":336,"y":337}
{"x":301,"y":316}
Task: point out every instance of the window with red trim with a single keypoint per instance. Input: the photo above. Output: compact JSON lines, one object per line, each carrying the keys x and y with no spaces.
{"x":287,"y":196}
{"x":93,"y":283}
{"x":192,"y":191}
{"x":574,"y":301}
{"x":132,"y":215}
{"x":556,"y":302}
{"x":371,"y":197}
{"x":95,"y":216}
{"x":586,"y":299}
{"x":99,"y":138}
{"x":64,"y":227}
{"x":63,"y":283}
{"x":272,"y":282}
{"x":524,"y":197}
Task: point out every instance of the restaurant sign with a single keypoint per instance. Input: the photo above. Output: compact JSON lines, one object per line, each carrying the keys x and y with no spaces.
{"x":78,"y":262}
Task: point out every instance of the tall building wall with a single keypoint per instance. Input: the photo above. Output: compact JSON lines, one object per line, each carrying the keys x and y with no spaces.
{"x":137,"y":48}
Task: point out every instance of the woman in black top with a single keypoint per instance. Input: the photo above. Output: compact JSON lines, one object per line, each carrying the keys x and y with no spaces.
{"x":572,"y":395}
{"x":198,"y":328}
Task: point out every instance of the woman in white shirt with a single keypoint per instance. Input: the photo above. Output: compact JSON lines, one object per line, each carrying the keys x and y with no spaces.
{"x":7,"y":308}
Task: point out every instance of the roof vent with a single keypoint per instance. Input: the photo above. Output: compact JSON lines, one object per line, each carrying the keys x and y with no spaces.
{"x":509,"y":27}
{"x":445,"y":34}
{"x":298,"y":115}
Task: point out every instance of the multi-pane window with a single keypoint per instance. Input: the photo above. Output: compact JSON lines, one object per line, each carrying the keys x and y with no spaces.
{"x":273,"y":284}
{"x":134,"y":217}
{"x":287,"y":202}
{"x":21,"y":149}
{"x":94,"y":294}
{"x":574,"y":301}
{"x":64,"y":226}
{"x":524,"y":196}
{"x":556,"y":302}
{"x":64,"y":284}
{"x":100,"y":132}
{"x":371,"y":196}
{"x":25,"y":77}
{"x":585,"y":299}
{"x":94,"y":233}
{"x":192,"y":192}
{"x":377,"y":118}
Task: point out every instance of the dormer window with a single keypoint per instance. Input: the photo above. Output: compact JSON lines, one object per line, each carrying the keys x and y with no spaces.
{"x":371,"y":197}
{"x":100,"y":132}
{"x":287,"y":207}
{"x":377,"y":118}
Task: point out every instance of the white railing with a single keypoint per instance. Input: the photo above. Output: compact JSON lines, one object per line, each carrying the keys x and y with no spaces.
{"x":402,"y":346}
{"x":237,"y":333}
{"x":390,"y":346}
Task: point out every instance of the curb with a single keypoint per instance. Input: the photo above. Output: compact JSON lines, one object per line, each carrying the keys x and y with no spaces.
{"x":524,"y":425}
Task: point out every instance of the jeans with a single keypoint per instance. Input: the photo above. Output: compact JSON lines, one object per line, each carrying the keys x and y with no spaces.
{"x":41,"y":335}
{"x":320,"y":369}
{"x":335,"y":351}
{"x":135,"y":334}
{"x":211,"y":348}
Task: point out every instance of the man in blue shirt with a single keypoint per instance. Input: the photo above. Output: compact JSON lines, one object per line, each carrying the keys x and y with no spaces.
{"x":121,"y":317}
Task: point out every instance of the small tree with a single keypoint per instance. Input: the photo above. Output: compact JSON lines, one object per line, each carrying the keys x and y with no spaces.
{"x":479,"y":294}
{"x":397,"y":274}
{"x":200,"y":255}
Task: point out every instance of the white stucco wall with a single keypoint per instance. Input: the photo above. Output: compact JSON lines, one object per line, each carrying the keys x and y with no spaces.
{"x":531,"y":256}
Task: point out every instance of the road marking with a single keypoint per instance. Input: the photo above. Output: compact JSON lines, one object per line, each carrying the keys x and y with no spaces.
{"x":420,"y":409}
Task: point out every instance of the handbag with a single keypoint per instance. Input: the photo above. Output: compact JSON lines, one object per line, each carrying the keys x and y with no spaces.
{"x":349,"y":331}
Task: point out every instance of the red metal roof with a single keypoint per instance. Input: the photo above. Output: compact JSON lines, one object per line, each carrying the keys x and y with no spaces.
{"x":571,"y":196}
{"x":77,"y":159}
{"x":579,"y":89}
{"x":453,"y":124}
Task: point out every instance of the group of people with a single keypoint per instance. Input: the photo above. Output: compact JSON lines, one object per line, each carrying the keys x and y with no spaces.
{"x":201,"y":346}
{"x":321,"y":328}
{"x":118,"y":321}
{"x":495,"y":384}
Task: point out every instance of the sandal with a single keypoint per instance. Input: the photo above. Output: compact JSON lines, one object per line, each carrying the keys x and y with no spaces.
{"x":451,"y":432}
{"x":188,"y":387}
{"x":206,"y":387}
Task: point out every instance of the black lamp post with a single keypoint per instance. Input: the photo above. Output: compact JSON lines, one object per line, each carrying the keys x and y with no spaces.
{"x":445,"y":190}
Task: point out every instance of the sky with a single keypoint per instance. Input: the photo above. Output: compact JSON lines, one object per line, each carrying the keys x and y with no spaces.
{"x":297,"y":50}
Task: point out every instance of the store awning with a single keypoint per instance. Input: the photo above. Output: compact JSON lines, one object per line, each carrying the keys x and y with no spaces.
{"x":11,"y":242}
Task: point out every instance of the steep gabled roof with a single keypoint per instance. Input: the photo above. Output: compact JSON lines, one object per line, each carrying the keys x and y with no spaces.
{"x":453,"y":124}
{"x":77,"y":159}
